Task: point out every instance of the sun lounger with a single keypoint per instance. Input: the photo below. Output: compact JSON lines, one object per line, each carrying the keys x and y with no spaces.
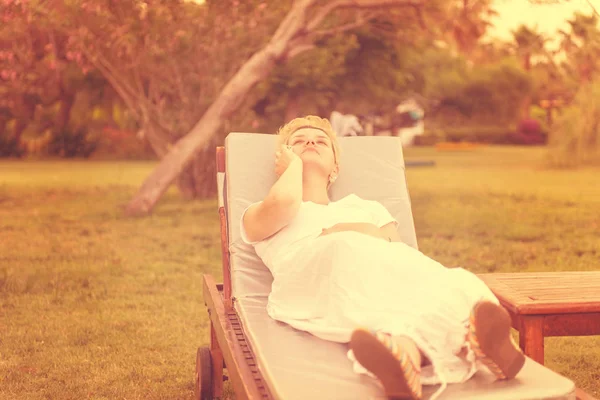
{"x":266,"y":359}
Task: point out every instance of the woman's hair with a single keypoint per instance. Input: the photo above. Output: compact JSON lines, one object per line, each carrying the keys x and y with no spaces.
{"x":310,"y":121}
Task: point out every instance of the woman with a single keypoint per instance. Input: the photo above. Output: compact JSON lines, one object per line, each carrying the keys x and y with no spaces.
{"x":340,"y":267}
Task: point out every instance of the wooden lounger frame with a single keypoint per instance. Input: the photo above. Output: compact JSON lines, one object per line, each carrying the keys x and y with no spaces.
{"x":228,"y":345}
{"x":229,"y":348}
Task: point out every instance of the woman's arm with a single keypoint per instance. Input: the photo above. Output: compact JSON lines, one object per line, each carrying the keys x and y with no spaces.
{"x":387,"y":232}
{"x":288,"y":167}
{"x":281,"y":204}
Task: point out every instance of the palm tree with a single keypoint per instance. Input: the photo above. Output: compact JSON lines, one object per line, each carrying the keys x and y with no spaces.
{"x":582,"y":45}
{"x":468,"y":21}
{"x":528,"y":44}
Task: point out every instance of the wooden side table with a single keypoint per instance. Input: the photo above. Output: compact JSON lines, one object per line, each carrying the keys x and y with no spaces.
{"x":548,"y":304}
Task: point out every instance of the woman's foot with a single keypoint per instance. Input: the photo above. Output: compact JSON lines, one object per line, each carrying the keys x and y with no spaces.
{"x":490,"y":339}
{"x":394,"y":361}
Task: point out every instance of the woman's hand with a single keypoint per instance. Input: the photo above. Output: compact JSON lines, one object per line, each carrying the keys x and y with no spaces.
{"x":361,"y":227}
{"x":283,"y":158}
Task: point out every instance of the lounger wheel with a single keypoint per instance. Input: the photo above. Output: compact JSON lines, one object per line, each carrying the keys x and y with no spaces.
{"x":203,"y":387}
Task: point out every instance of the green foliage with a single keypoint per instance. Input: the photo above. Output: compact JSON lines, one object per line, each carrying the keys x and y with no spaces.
{"x":376,"y":75}
{"x":310,"y":78}
{"x":491,"y":93}
{"x":540,"y":115}
{"x":117,"y":144}
{"x":575,"y":136}
{"x":166,"y":62}
{"x":357,"y":72}
{"x":436,"y":72}
{"x":10,"y":146}
{"x":72,"y":143}
{"x":484,"y":134}
{"x":371,"y":74}
{"x":473,"y":134}
{"x":581,"y":44}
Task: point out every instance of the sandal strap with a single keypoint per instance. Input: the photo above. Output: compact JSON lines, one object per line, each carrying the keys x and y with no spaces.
{"x":479,"y":354}
{"x":388,"y":341}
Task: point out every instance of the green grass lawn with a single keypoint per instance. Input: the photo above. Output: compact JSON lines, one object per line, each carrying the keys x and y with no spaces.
{"x":96,"y":305}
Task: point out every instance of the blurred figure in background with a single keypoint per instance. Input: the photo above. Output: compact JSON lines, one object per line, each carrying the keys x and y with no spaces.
{"x":345,"y":125}
{"x":409,"y":115}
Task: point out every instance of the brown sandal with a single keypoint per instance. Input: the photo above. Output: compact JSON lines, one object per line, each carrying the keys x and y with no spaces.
{"x":378,"y":353}
{"x":490,"y":339}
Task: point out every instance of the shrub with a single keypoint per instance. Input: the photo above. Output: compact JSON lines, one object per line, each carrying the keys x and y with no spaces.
{"x":529,"y":132}
{"x":524,"y":135}
{"x":488,"y":135}
{"x":119,"y":144}
{"x":10,"y":147}
{"x":72,"y":143}
{"x":491,"y":94}
{"x":575,"y":136}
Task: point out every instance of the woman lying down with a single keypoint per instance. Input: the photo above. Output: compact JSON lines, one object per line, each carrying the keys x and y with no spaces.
{"x":341,"y":273}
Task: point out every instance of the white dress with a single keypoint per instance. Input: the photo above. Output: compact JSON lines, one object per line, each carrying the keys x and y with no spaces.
{"x":330,"y":285}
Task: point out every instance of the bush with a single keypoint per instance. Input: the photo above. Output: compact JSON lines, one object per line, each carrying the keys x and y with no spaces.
{"x":483,"y":134}
{"x":530,"y":132}
{"x":575,"y":136}
{"x":72,"y":143}
{"x":488,"y":135}
{"x":118,"y":144}
{"x":491,"y":94}
{"x":10,"y":147}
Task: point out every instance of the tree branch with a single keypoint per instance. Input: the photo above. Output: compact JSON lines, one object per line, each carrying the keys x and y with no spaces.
{"x":299,"y":48}
{"x":360,"y":21}
{"x":146,"y":109}
{"x":421,"y":18}
{"x":364,"y":4}
{"x":291,"y":25}
{"x":115,"y":83}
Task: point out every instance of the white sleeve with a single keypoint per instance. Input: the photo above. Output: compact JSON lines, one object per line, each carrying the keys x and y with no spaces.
{"x":243,"y":233}
{"x":381,"y":215}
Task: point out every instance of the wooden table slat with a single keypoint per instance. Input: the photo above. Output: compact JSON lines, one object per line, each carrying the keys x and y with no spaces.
{"x":547,"y":292}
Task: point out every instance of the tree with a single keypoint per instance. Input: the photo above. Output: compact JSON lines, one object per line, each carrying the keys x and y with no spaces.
{"x":529,"y":44}
{"x":575,"y":137}
{"x":166,"y":60}
{"x":360,"y":71}
{"x":467,"y":21}
{"x":302,"y":26}
{"x":39,"y":81}
{"x":582,"y":46}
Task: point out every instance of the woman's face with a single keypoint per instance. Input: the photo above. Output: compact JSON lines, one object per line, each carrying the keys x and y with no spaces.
{"x":313,"y":146}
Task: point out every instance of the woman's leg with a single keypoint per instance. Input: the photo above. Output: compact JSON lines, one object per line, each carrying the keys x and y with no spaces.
{"x":395,"y":361}
{"x":487,"y":332}
{"x":490,"y":339}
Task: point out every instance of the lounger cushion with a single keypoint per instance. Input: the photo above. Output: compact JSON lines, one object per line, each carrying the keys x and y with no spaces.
{"x":297,"y":365}
{"x":370,"y":167}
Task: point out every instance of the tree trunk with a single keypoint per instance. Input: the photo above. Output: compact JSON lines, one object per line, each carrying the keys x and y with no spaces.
{"x":199,"y":179}
{"x":64,"y":112}
{"x":526,"y":104}
{"x":20,"y":126}
{"x":158,"y":140}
